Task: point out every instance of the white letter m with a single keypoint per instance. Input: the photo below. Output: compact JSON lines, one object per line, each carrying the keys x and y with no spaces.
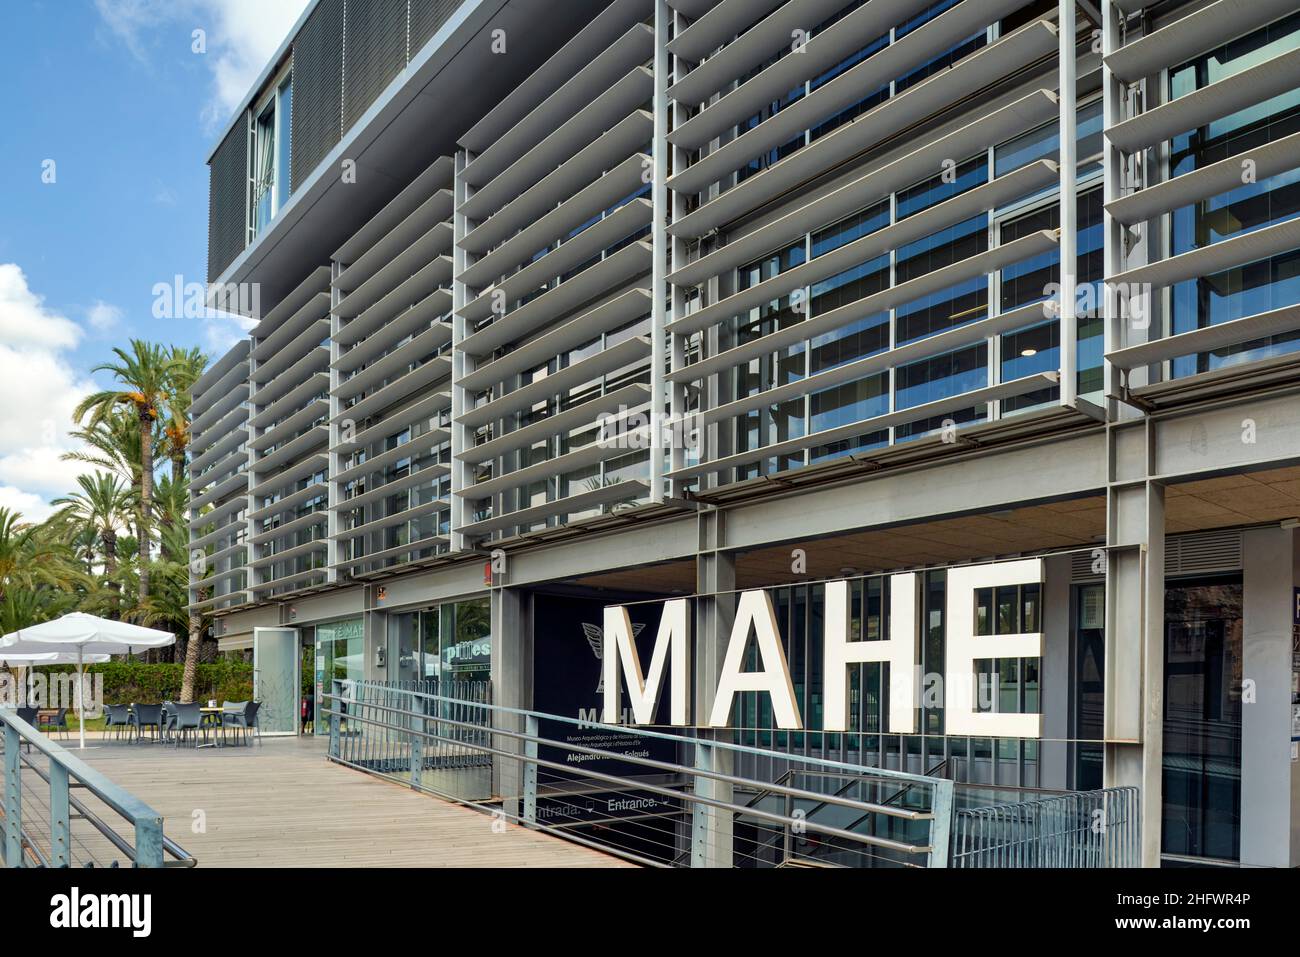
{"x":674,"y":637}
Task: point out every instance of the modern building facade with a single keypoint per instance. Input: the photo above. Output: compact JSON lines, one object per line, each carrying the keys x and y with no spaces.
{"x":614,"y":301}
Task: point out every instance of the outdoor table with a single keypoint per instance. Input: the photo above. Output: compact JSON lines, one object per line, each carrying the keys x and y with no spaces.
{"x":211,"y":713}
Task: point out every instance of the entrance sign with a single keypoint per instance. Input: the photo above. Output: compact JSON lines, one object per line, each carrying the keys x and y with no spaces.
{"x":755,"y":613}
{"x":674,"y":636}
{"x":899,"y":650}
{"x":755,"y":610}
{"x":963,"y":648}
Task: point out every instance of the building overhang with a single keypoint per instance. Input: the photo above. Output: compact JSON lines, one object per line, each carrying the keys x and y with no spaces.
{"x":419,"y":117}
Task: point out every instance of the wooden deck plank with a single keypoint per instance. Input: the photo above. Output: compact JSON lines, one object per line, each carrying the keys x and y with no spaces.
{"x":283,"y":804}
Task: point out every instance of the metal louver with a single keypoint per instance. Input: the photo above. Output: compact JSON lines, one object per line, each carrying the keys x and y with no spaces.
{"x":317,"y":89}
{"x":227,"y":201}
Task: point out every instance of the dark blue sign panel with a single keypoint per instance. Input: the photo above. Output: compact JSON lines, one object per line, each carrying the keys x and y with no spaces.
{"x":568,"y":680}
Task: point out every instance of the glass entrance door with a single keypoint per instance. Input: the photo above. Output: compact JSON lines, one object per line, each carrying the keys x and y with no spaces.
{"x":276,"y":660}
{"x":1202,"y":739}
{"x":404,"y":648}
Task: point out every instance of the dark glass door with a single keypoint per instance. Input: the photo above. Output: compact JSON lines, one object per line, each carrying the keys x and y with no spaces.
{"x":1202,"y":739}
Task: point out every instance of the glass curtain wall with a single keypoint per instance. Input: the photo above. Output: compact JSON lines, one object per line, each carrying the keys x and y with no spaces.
{"x":340,"y":656}
{"x":1024,"y":352}
{"x":1256,"y":287}
{"x":450,"y":641}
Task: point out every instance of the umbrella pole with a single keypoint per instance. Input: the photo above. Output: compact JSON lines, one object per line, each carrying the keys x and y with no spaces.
{"x":81,"y":703}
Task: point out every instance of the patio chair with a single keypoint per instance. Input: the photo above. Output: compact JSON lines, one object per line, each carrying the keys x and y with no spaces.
{"x":29,"y":715}
{"x":57,"y":722}
{"x":117,"y":718}
{"x":245,"y":720}
{"x":232,"y":715}
{"x":147,"y":716}
{"x":189,"y":718}
{"x":168,"y":719}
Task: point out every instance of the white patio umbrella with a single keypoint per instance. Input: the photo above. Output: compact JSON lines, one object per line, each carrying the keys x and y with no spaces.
{"x":24,"y":661}
{"x":82,"y":635}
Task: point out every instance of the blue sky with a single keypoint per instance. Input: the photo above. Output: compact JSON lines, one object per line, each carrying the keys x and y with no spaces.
{"x":110,"y":100}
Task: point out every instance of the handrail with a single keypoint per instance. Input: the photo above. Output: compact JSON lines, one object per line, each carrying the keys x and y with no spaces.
{"x":630,"y":759}
{"x":350,"y":703}
{"x":64,"y":768}
{"x":642,"y":732}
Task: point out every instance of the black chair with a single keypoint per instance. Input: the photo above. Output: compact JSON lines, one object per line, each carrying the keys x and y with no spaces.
{"x":28,"y":715}
{"x":189,"y":717}
{"x":117,"y":717}
{"x":244,"y":720}
{"x":168,"y":719}
{"x":57,"y":722}
{"x":147,"y":716}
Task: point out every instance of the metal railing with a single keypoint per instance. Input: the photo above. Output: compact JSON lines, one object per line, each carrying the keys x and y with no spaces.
{"x":606,"y":786}
{"x":1080,"y":829}
{"x":46,"y":825}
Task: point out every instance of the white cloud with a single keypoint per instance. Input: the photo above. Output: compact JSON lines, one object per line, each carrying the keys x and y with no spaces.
{"x":221,"y":330}
{"x":31,"y":507}
{"x":24,"y":320}
{"x":103,"y":316}
{"x":38,"y":392}
{"x":240,"y":37}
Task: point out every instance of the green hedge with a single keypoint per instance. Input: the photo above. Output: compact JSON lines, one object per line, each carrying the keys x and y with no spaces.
{"x":125,"y":682}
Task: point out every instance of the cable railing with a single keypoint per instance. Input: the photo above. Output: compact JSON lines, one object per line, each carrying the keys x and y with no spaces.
{"x":656,"y":798}
{"x":46,"y":825}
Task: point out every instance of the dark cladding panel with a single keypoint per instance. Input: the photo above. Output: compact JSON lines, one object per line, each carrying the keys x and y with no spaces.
{"x":374,"y":52}
{"x":317,"y":89}
{"x":427,"y":16}
{"x":227,"y":201}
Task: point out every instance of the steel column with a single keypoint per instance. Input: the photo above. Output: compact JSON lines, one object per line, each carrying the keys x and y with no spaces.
{"x":1069,"y":314}
{"x":659,"y":254}
{"x":1135,"y":610}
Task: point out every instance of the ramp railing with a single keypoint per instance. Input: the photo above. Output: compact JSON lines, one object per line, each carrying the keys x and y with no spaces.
{"x":1081,"y":829}
{"x":659,"y":798}
{"x":46,"y":824}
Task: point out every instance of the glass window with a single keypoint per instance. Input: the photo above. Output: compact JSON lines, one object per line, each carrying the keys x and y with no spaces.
{"x":1045,"y":143}
{"x":1255,"y":287}
{"x":1036,"y":348}
{"x":270,"y":161}
{"x":1202,"y":718}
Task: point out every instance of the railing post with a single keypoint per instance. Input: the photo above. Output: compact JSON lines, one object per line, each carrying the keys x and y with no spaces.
{"x":60,"y":817}
{"x":941,"y":824}
{"x":530,"y":770}
{"x":13,"y":799}
{"x":417,"y":742}
{"x":149,"y":842}
{"x":334,"y":722}
{"x":700,"y":812}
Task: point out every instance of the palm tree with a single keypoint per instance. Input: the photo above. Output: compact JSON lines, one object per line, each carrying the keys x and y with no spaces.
{"x":168,"y":606}
{"x":113,"y":444}
{"x":143,"y":374}
{"x":104,"y":507}
{"x":30,"y":559}
{"x":187,"y":366}
{"x":171,"y":499}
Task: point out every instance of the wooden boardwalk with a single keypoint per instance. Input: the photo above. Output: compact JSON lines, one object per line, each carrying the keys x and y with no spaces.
{"x":283,"y":804}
